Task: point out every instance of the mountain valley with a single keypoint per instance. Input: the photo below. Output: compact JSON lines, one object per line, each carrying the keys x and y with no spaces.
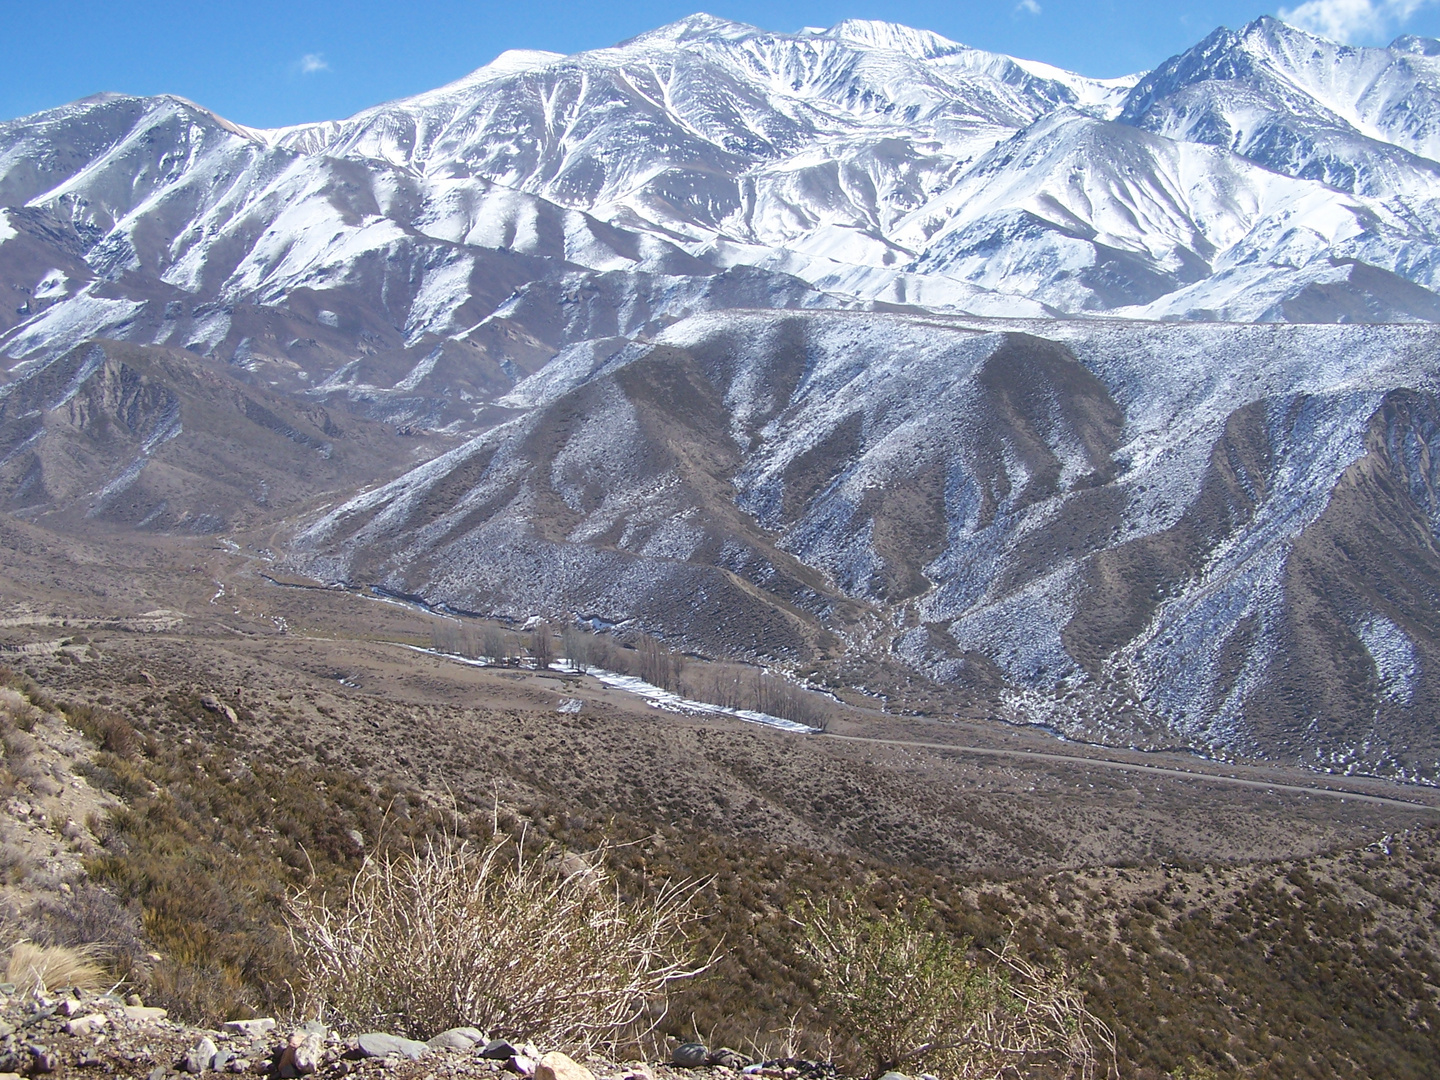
{"x":842,"y":459}
{"x":790,"y":324}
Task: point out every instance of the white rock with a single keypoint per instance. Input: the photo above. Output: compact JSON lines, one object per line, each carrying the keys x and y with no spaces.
{"x":380,"y":1044}
{"x":199,"y":1056}
{"x":253,"y":1028}
{"x":308,"y":1053}
{"x":86,"y":1025}
{"x":144,"y":1014}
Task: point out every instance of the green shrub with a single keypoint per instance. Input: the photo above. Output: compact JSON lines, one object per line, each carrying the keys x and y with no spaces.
{"x":906,"y":997}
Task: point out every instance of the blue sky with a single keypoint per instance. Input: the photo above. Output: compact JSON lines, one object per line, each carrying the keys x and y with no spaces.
{"x":268,"y":62}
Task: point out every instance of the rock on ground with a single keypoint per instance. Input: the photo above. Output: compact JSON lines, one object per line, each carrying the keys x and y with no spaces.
{"x":558,"y":1066}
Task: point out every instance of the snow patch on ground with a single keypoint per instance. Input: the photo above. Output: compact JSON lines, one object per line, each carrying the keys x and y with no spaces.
{"x":1396,"y":663}
{"x":655,"y":696}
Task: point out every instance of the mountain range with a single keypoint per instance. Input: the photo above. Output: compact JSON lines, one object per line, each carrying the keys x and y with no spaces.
{"x":901,"y":365}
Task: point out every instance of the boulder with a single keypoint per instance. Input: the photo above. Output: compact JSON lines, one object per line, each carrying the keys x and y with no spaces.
{"x":214,"y":704}
{"x":302,"y":1052}
{"x":690,"y":1055}
{"x":558,"y":1066}
{"x":727,"y":1058}
{"x":498,"y":1050}
{"x":455,"y":1039}
{"x":307,"y":1053}
{"x":85,"y":1026}
{"x":144,"y":1014}
{"x":379,"y":1044}
{"x":198,"y":1058}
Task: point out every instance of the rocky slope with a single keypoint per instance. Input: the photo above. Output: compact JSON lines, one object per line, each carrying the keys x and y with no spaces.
{"x":1204,"y":525}
{"x":222,"y":770}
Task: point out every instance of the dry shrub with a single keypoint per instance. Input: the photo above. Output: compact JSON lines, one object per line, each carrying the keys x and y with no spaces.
{"x":41,"y":968}
{"x":907,"y":997}
{"x":112,"y":732}
{"x":87,"y":917}
{"x":15,"y":865}
{"x":12,"y":702}
{"x":457,"y":934}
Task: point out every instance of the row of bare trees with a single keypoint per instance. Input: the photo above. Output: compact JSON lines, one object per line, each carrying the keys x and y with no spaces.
{"x":738,"y":687}
{"x":732,"y":686}
{"x":496,"y":644}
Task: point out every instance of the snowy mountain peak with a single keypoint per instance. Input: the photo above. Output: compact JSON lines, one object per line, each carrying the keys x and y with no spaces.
{"x":522,"y":60}
{"x":1415,"y":46}
{"x":876,"y":34}
{"x":871,"y":161}
{"x":697,"y":27}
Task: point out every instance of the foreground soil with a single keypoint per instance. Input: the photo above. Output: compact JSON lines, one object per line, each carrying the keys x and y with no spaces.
{"x":84,"y":1034}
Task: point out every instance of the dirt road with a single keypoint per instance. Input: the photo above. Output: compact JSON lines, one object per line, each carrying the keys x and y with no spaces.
{"x":1128,"y":766}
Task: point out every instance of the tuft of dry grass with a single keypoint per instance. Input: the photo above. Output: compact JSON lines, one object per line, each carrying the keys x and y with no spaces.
{"x":458,"y":934}
{"x":43,"y":968}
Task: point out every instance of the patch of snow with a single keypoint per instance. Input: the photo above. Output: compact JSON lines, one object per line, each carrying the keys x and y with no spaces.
{"x":671,"y":702}
{"x":54,"y":283}
{"x":1397,"y":664}
{"x":419,"y":373}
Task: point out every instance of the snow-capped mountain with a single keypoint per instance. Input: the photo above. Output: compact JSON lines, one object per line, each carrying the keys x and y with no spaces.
{"x":875,"y":162}
{"x":853,"y":348}
{"x":1358,"y":119}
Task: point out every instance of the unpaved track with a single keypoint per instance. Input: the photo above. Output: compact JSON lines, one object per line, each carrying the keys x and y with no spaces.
{"x":1129,"y":766}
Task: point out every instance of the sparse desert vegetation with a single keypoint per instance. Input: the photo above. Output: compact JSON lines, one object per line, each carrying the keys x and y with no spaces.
{"x":216,"y":768}
{"x":231,"y":805}
{"x":902,"y":995}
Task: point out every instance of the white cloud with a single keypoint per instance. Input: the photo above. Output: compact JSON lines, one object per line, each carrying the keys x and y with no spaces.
{"x":1352,"y":21}
{"x":313,"y":62}
{"x":1029,"y":7}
